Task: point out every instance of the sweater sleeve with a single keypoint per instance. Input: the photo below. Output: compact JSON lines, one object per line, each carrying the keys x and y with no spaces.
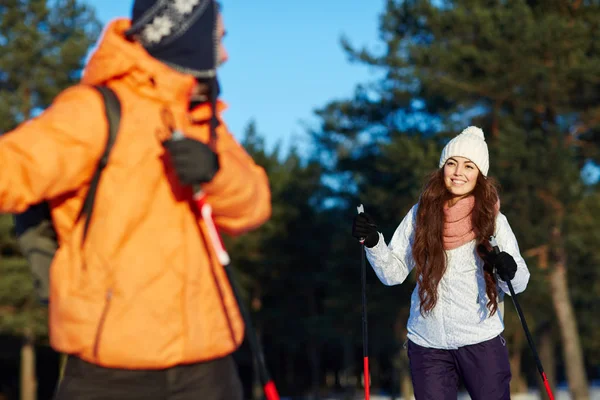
{"x":392,"y":263}
{"x":508,"y":242}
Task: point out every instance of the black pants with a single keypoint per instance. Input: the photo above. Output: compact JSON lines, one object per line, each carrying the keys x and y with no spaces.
{"x":212,"y":380}
{"x":483,"y":367}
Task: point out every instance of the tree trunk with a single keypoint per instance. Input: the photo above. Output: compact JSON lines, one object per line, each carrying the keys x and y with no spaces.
{"x":402,"y":363}
{"x":347,"y":368}
{"x":406,"y":387}
{"x":573,"y":355}
{"x":313,"y":353}
{"x":517,"y":383}
{"x":62,"y":365}
{"x":290,"y":370}
{"x":256,"y":305}
{"x":548,"y":359}
{"x":28,"y":378}
{"x":257,"y":389}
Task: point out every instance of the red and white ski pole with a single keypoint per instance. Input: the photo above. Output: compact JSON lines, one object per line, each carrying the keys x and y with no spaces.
{"x":218,"y":246}
{"x":206,"y":212}
{"x":363,"y":267}
{"x":513,"y":296}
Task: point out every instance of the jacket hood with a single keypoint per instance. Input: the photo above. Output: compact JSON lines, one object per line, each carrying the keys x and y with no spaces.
{"x":117,"y":58}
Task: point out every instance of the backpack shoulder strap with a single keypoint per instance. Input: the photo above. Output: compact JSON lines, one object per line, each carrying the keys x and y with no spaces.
{"x":112,"y":108}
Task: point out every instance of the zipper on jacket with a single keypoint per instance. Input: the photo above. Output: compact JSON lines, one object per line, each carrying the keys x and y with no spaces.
{"x":108,"y":298}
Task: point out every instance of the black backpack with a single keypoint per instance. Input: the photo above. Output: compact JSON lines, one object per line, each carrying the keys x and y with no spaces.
{"x":34,"y":229}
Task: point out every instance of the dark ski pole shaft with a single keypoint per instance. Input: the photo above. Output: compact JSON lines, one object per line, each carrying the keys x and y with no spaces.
{"x":205,"y":209}
{"x":363,"y":267}
{"x":513,"y":296}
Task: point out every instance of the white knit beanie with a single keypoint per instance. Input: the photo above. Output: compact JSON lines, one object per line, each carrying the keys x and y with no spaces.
{"x":470,"y":143}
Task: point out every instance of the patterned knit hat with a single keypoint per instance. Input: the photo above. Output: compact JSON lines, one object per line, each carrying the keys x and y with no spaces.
{"x":180,"y":33}
{"x":470,"y":143}
{"x":183,"y":35}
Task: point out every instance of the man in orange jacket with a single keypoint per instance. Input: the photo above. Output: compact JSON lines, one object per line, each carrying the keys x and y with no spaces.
{"x":142,"y":307}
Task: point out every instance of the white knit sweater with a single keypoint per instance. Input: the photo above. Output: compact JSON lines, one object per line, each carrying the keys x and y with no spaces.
{"x":460,"y":316}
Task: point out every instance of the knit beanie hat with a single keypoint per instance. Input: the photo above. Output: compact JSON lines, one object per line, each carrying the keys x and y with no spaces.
{"x":470,"y":143}
{"x":180,"y":33}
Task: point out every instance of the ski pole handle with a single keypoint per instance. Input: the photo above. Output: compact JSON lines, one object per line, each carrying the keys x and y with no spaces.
{"x":361,"y":209}
{"x":206,"y":213}
{"x":494,"y":244}
{"x":213,"y":233}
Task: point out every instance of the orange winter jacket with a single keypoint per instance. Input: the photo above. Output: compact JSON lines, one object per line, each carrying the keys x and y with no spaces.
{"x":145,"y":290}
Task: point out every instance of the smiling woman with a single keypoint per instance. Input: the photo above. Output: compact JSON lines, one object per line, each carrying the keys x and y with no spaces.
{"x":454,"y":328}
{"x":460,"y":177}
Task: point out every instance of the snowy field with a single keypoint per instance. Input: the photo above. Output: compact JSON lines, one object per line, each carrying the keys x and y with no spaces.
{"x":560,"y":394}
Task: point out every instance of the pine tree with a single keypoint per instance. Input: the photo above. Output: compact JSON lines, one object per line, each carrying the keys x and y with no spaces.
{"x":42,"y":49}
{"x":526,"y":72}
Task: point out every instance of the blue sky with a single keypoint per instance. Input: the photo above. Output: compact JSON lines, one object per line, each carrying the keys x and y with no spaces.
{"x":285,"y":59}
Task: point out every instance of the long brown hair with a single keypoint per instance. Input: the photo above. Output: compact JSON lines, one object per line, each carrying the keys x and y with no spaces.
{"x":428,"y":246}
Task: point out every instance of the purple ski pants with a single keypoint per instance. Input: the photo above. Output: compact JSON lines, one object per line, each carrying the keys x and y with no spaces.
{"x":483,"y":367}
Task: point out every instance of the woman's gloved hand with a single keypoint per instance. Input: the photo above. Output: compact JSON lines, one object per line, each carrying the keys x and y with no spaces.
{"x":364,"y":227}
{"x":504,"y":263}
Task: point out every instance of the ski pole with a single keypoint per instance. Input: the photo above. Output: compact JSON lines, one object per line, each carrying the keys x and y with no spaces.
{"x":363,"y":267}
{"x":513,"y":296}
{"x":269,"y":388}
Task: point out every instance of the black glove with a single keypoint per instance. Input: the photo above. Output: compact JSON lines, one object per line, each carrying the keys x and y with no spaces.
{"x":506,"y":266}
{"x":504,"y":263}
{"x":364,"y":227}
{"x":194,"y":162}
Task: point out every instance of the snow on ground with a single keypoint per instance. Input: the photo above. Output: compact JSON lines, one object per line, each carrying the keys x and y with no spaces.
{"x":560,"y":394}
